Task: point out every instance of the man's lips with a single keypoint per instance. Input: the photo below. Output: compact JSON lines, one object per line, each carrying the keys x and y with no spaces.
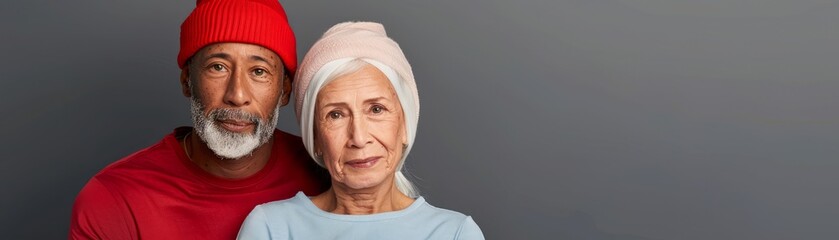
{"x":234,"y":125}
{"x":363,"y":163}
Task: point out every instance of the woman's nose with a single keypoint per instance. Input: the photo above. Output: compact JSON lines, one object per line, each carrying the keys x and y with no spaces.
{"x":359,"y":134}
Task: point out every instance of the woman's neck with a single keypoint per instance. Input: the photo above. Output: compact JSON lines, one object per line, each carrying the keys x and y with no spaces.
{"x":340,"y":199}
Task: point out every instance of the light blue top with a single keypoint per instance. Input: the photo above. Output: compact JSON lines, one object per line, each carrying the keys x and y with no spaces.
{"x":299,"y":218}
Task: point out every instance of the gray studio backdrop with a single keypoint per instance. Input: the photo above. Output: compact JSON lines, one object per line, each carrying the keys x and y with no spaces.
{"x":589,"y":119}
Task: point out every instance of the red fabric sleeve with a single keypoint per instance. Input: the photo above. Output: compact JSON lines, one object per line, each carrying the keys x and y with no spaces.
{"x":100,"y":214}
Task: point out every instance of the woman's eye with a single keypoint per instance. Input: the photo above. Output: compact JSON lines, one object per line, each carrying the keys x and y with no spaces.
{"x":334,"y":115}
{"x":376,"y":109}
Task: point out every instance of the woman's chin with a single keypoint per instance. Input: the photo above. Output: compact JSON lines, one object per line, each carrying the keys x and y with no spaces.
{"x":363,"y":181}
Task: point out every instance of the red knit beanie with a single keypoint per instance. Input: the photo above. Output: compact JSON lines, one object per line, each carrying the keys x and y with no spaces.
{"x":260,"y":22}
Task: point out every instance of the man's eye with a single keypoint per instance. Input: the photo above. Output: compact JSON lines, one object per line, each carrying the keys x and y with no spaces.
{"x":259,"y":72}
{"x":218,"y":67}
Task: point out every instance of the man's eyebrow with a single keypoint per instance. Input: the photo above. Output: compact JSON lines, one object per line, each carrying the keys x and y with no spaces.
{"x":258,"y":58}
{"x":224,"y":56}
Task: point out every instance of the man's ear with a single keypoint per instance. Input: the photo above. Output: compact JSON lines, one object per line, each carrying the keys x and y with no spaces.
{"x":185,"y":82}
{"x":286,"y":90}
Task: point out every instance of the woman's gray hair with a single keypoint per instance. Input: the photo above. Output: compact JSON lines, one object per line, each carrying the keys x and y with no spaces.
{"x":342,"y":67}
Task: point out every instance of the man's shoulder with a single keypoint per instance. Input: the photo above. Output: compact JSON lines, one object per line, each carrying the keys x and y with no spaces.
{"x":148,"y":160}
{"x":288,"y":140}
{"x":296,"y":162}
{"x":291,"y":146}
{"x":101,"y":209}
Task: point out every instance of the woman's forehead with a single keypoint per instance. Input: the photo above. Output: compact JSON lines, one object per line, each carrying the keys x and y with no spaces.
{"x":368,"y":81}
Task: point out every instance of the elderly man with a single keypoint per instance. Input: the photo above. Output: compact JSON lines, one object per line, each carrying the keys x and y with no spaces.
{"x":236,"y":58}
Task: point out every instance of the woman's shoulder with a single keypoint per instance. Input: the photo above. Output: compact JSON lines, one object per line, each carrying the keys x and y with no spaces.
{"x":271,"y":219}
{"x":278,"y":212}
{"x":457,"y":223}
{"x":430,"y":213}
{"x":286,"y":205}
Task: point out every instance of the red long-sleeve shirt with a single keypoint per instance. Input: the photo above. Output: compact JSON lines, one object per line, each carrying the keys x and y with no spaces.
{"x":157,"y":193}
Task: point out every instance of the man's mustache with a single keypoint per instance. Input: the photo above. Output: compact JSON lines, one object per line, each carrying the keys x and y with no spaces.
{"x":234,"y":114}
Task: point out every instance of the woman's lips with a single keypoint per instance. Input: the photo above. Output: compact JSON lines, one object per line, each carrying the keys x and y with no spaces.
{"x":236,"y":126}
{"x":363,"y":163}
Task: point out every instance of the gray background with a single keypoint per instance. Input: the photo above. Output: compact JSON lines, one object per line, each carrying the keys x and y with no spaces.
{"x":589,"y":119}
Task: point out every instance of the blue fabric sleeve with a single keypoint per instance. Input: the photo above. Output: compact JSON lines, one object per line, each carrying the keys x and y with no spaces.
{"x":255,"y":226}
{"x":469,"y":230}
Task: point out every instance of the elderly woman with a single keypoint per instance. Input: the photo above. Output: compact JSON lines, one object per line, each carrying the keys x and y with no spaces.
{"x":357,"y":105}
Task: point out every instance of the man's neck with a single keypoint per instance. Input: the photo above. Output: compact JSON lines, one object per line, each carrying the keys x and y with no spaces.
{"x":243,"y":167}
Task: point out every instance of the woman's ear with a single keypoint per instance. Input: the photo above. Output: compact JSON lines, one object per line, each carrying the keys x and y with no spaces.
{"x":316,"y":148}
{"x":404,"y":136}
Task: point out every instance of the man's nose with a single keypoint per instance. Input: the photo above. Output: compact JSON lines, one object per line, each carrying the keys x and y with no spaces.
{"x":238,"y":91}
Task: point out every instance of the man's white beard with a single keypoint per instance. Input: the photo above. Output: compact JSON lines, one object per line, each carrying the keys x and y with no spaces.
{"x":227,"y":144}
